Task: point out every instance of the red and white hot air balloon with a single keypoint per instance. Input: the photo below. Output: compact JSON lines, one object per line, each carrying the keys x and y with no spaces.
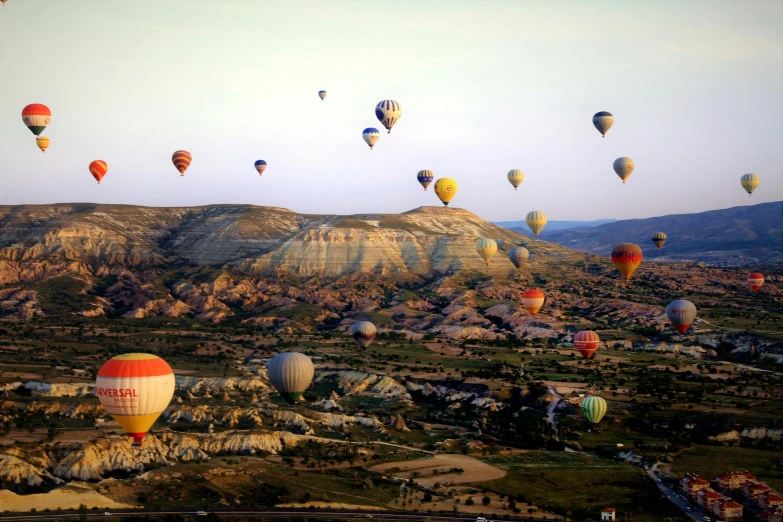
{"x":755,"y":280}
{"x":533,"y":300}
{"x":586,"y":343}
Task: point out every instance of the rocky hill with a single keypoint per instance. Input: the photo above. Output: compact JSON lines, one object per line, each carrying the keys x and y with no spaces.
{"x":738,"y":236}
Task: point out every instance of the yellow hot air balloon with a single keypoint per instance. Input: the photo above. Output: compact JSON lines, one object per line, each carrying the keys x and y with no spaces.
{"x":627,"y":257}
{"x":536,"y":220}
{"x":515,"y":177}
{"x":42,"y":142}
{"x":486,"y":248}
{"x":623,"y":167}
{"x":135,"y":388}
{"x":750,"y":182}
{"x":445,"y":189}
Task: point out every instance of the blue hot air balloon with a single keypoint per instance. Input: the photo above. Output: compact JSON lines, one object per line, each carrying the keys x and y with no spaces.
{"x":260,"y":166}
{"x":371,"y":135}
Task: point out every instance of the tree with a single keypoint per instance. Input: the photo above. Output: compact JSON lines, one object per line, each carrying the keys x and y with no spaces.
{"x":469,"y":501}
{"x":427,"y":497}
{"x":82,"y":512}
{"x":486,"y":501}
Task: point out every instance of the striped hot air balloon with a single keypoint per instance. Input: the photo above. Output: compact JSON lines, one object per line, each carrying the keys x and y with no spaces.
{"x":42,"y":142}
{"x":681,"y":314}
{"x":627,"y":257}
{"x":425,"y":177}
{"x":181,"y":160}
{"x":322,"y":94}
{"x":291,"y":374}
{"x":36,"y":116}
{"x":603,"y":122}
{"x":586,"y":343}
{"x":659,"y":238}
{"x":98,"y":169}
{"x":515,"y":177}
{"x":135,"y":388}
{"x":518,"y":255}
{"x":623,"y":167}
{"x":536,"y":220}
{"x":486,"y":248}
{"x":370,"y":135}
{"x":445,"y":189}
{"x":750,"y":182}
{"x":533,"y":300}
{"x":388,"y":112}
{"x":363,"y":333}
{"x":594,"y":409}
{"x":755,"y":281}
{"x":260,"y":166}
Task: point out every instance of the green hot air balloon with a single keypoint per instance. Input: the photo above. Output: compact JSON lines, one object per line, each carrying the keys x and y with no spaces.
{"x":291,"y":373}
{"x":594,"y":409}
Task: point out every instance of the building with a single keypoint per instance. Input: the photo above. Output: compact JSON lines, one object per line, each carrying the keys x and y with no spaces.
{"x":734,"y":480}
{"x":769,"y":500}
{"x":772,"y":515}
{"x":727,"y":510}
{"x":707,"y":497}
{"x":692,"y":484}
{"x":608,"y":514}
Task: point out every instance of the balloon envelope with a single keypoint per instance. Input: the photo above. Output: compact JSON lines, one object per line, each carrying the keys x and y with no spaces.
{"x":594,"y":409}
{"x":750,"y":182}
{"x":533,"y":300}
{"x":755,"y":281}
{"x":181,"y":160}
{"x":98,"y":169}
{"x":42,"y":142}
{"x":363,"y":333}
{"x":603,"y":122}
{"x":425,"y":177}
{"x":291,"y":374}
{"x":518,"y":255}
{"x":260,"y":166}
{"x":623,"y":167}
{"x":388,"y":112}
{"x":659,"y":238}
{"x":135,"y":388}
{"x":586,"y":343}
{"x":536,"y":220}
{"x":486,"y":248}
{"x":36,"y":117}
{"x":627,"y":257}
{"x":370,"y":135}
{"x":515,"y":177}
{"x":445,"y":189}
{"x":322,"y":94}
{"x":681,"y":314}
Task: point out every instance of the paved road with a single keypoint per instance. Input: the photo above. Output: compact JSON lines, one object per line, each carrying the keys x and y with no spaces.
{"x":267,"y":513}
{"x":672,"y":496}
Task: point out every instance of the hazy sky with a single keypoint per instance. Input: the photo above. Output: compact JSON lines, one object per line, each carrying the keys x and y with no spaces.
{"x":696,"y":88}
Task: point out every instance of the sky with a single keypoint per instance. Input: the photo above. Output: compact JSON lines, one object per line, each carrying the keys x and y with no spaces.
{"x":696,"y":88}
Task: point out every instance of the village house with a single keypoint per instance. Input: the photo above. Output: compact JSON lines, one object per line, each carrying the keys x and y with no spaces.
{"x":692,"y":484}
{"x":734,"y":480}
{"x":608,"y":514}
{"x":752,"y":490}
{"x":727,"y":510}
{"x":707,"y":497}
{"x":769,"y":500}
{"x":772,"y":515}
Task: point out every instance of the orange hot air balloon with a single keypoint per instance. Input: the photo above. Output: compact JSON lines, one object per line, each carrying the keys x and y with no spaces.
{"x":181,"y":160}
{"x":627,"y":257}
{"x":42,"y":142}
{"x":98,"y":169}
{"x":533,"y":300}
{"x":36,"y":116}
{"x":755,"y":280}
{"x":586,"y":343}
{"x":135,"y":388}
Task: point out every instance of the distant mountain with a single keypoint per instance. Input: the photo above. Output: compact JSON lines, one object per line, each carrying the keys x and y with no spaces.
{"x":738,"y":236}
{"x":555,"y":225}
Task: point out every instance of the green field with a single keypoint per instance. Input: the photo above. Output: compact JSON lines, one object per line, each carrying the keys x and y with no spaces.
{"x":711,"y":461}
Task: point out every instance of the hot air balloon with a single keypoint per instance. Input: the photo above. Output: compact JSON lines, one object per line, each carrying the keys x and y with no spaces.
{"x":486,"y":248}
{"x":536,"y":221}
{"x":623,"y":167}
{"x":290,"y":373}
{"x":603,"y":122}
{"x":445,"y":189}
{"x":533,"y":300}
{"x":594,"y":409}
{"x":659,"y":238}
{"x":98,"y":169}
{"x":681,"y":314}
{"x":425,"y":177}
{"x":260,"y":166}
{"x":135,"y":388}
{"x":515,"y":177}
{"x":322,"y":94}
{"x":181,"y":160}
{"x":518,"y":255}
{"x":42,"y":142}
{"x":388,"y":112}
{"x":627,"y":257}
{"x":371,"y":136}
{"x":750,"y":182}
{"x":363,"y":333}
{"x":36,"y":116}
{"x":755,"y":280}
{"x":586,"y":343}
